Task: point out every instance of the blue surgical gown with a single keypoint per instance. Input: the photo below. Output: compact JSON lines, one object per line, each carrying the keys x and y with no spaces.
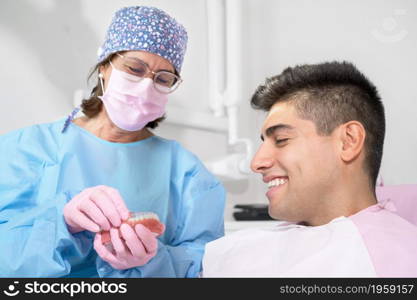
{"x":41,"y":169}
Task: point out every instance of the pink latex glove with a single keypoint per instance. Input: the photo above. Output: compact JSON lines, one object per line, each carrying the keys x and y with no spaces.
{"x":95,"y":209}
{"x":136,"y":248}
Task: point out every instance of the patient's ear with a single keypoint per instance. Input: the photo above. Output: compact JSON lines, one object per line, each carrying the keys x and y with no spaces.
{"x":352,"y":136}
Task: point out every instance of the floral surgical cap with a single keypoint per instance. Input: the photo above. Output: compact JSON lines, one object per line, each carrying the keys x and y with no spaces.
{"x":148,"y":29}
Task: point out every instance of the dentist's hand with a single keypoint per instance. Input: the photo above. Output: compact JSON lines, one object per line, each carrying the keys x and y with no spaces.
{"x":95,"y":209}
{"x":136,"y":247}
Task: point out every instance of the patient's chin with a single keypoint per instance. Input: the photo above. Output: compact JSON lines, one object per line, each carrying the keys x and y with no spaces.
{"x":280,"y":213}
{"x":277,"y":214}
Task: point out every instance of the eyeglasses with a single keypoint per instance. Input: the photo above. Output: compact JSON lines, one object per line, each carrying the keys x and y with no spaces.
{"x":164,"y":81}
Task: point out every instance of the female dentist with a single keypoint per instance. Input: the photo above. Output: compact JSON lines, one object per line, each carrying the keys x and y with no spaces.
{"x":63,"y":183}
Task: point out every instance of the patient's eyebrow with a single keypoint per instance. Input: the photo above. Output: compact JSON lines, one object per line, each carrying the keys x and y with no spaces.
{"x":279,"y":127}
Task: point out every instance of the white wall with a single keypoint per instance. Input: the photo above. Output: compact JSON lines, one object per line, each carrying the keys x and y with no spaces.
{"x":48,"y":47}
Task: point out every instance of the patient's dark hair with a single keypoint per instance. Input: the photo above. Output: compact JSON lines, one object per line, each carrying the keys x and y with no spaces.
{"x":330,"y":94}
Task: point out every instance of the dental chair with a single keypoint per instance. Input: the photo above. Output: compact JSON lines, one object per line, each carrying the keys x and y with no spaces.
{"x":404,"y":198}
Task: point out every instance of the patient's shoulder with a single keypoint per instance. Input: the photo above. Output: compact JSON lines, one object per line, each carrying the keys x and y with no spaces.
{"x":391,"y":241}
{"x":378,"y":218}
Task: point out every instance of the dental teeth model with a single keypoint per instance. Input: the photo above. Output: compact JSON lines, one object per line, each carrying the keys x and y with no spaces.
{"x":148,"y":219}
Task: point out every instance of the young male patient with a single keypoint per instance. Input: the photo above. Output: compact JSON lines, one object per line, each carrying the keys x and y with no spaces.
{"x":321,"y":151}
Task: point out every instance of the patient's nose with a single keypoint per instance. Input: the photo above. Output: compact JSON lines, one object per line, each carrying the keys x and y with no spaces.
{"x":262,"y":161}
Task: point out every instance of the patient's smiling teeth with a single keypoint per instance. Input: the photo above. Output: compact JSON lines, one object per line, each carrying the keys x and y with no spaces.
{"x":277,"y":182}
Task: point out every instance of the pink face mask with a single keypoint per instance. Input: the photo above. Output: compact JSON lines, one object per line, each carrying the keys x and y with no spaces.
{"x":132,"y":102}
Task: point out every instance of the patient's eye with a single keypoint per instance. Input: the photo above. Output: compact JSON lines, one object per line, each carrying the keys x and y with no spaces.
{"x":280,"y":142}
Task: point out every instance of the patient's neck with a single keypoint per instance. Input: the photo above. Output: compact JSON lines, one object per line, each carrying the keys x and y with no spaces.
{"x":347,"y":200}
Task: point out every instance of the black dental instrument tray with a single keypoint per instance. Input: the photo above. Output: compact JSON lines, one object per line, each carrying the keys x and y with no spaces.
{"x":252,"y":212}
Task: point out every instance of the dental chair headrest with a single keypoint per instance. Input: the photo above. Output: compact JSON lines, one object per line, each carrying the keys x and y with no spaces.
{"x":404,"y":198}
